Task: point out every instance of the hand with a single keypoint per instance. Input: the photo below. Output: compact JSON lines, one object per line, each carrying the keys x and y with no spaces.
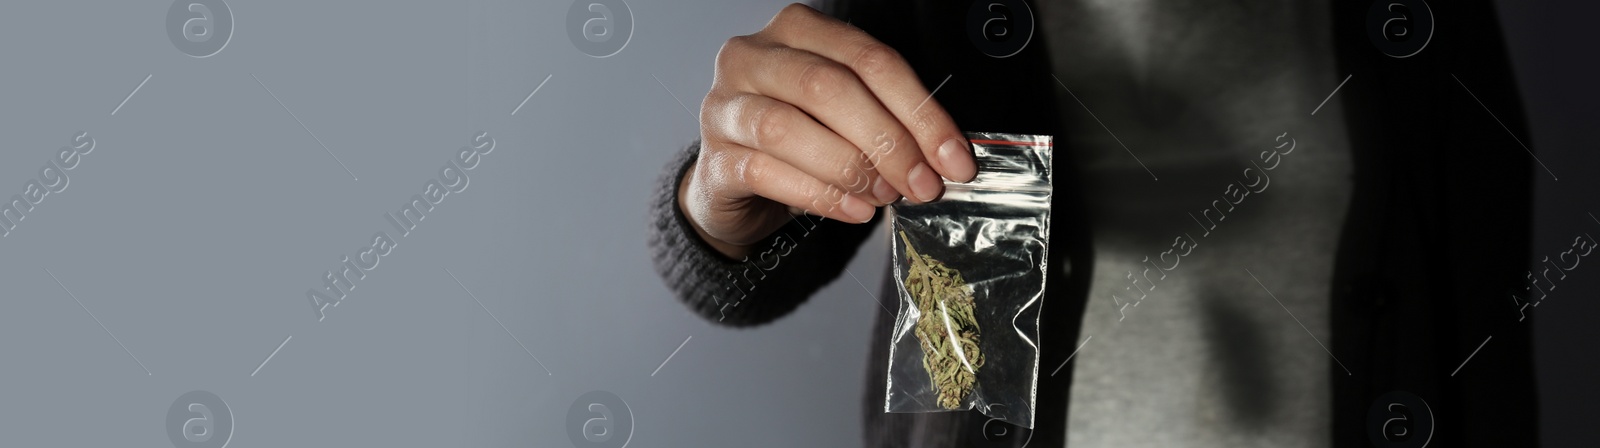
{"x":812,"y":115}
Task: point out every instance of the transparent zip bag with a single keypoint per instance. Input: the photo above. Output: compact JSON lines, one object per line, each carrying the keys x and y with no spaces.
{"x":969,"y":269}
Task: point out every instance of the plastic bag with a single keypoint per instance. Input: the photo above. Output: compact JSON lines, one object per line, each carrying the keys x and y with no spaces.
{"x":969,"y":269}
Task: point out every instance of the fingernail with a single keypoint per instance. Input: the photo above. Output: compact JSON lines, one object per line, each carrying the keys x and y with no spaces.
{"x":957,"y":162}
{"x":856,"y":208}
{"x":924,"y":183}
{"x":883,"y":191}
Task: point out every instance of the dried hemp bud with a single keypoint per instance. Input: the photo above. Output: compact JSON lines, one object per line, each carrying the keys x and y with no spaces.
{"x":947,"y":329}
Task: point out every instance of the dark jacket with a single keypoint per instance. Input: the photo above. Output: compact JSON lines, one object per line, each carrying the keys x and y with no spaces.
{"x":1435,"y":241}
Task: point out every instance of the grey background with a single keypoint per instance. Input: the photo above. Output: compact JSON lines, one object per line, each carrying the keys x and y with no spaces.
{"x":1560,"y":96}
{"x":206,"y":210}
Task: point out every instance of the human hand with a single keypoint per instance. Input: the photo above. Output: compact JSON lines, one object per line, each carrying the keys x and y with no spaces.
{"x":812,"y":115}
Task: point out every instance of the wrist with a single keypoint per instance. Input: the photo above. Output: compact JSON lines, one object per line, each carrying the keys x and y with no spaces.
{"x":732,"y":251}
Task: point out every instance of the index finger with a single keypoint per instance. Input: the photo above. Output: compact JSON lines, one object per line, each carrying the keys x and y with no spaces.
{"x":889,"y":77}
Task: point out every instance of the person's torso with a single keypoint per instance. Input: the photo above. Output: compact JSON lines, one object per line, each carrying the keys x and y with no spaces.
{"x":1170,"y":103}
